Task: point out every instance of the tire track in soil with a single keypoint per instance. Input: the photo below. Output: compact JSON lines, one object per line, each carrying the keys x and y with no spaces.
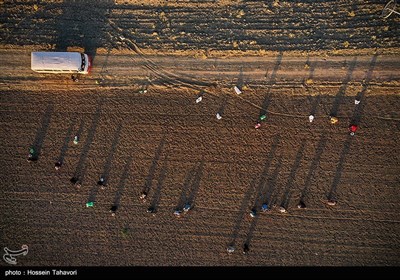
{"x":167,"y":77}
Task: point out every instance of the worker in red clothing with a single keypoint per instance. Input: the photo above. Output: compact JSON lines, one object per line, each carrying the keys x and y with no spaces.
{"x":353,"y":129}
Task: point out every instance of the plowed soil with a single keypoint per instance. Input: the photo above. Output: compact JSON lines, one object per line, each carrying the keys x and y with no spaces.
{"x":289,"y":58}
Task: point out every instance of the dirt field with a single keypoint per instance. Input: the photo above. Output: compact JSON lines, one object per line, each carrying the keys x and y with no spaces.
{"x":289,"y":58}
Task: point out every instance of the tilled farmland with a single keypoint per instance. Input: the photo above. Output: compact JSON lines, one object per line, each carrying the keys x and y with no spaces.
{"x":140,"y":124}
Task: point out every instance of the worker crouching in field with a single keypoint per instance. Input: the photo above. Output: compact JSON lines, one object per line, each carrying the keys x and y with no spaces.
{"x":89,"y":204}
{"x":151,"y":210}
{"x":260,"y":119}
{"x":264,"y":207}
{"x":187,"y":207}
{"x":74,"y":78}
{"x":230,"y":249}
{"x":253,"y":212}
{"x":101,"y":182}
{"x":75,"y":181}
{"x":331,"y":202}
{"x":301,"y":204}
{"x":57,"y":165}
{"x":32,"y":154}
{"x":143,"y":196}
{"x":113,"y":210}
{"x":333,"y":119}
{"x":353,"y":128}
{"x":246,"y":248}
{"x":76,"y":139}
{"x":179,"y":211}
{"x":282,"y":209}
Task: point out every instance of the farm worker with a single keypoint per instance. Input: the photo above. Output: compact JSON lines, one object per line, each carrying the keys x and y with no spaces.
{"x":331,"y":202}
{"x":231,"y":249}
{"x":177,"y":212}
{"x":76,"y":139}
{"x":75,"y":182}
{"x":333,"y":120}
{"x":246,"y":248}
{"x":258,"y":125}
{"x":143,"y":195}
{"x":264,"y":207}
{"x":353,"y":129}
{"x":113,"y":209}
{"x":301,"y":205}
{"x":57,"y":165}
{"x":311,"y":118}
{"x":90,"y":204}
{"x":219,"y":116}
{"x":253,"y":213}
{"x":187,"y":207}
{"x":32,"y":154}
{"x":199,"y":99}
{"x":357,"y":101}
{"x":151,"y":209}
{"x":237,"y":90}
{"x":101,"y":181}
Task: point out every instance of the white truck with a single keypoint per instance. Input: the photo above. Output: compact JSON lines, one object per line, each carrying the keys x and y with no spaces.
{"x":60,"y":62}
